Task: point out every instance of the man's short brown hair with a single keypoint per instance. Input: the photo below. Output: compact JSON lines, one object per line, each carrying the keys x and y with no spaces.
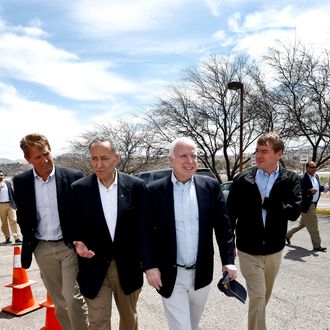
{"x":36,"y":140}
{"x":271,"y":138}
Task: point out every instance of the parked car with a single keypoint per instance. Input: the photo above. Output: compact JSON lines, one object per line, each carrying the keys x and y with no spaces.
{"x":149,"y":176}
{"x":226,"y":188}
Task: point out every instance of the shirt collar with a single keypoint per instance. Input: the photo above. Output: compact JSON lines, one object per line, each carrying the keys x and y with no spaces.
{"x":262,"y":172}
{"x":175,"y":181}
{"x":52,"y":174}
{"x":114,"y":183}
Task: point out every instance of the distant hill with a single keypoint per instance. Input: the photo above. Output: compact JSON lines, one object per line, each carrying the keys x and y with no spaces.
{"x":12,"y":168}
{"x":6,"y":161}
{"x":10,"y":161}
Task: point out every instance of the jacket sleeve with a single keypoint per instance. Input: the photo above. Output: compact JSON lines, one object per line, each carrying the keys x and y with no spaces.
{"x":223,"y":230}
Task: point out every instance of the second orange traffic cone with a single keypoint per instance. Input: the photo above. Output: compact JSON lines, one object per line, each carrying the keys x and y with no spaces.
{"x":22,"y":298}
{"x":51,"y":320}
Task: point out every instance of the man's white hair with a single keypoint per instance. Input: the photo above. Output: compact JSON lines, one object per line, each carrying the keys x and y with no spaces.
{"x":179,"y":140}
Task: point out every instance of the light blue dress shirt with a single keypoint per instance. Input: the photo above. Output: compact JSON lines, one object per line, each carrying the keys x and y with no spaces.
{"x":186,"y":221}
{"x":265,"y":184}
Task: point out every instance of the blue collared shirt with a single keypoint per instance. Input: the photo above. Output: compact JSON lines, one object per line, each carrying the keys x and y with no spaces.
{"x":265,"y":184}
{"x":186,"y":221}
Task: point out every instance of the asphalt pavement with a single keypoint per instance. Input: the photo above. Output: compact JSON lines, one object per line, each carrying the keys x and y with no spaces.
{"x":300,"y":299}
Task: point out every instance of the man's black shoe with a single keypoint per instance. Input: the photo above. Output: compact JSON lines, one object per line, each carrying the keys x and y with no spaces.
{"x":321,"y":249}
{"x":18,"y":241}
{"x":288,"y":240}
{"x":7,"y":241}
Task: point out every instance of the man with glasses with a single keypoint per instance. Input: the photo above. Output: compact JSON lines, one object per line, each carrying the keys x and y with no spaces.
{"x":311,"y":192}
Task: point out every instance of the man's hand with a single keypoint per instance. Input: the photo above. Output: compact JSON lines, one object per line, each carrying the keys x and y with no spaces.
{"x":82,"y":250}
{"x":153,"y":278}
{"x":232,"y":271}
{"x":313,"y":191}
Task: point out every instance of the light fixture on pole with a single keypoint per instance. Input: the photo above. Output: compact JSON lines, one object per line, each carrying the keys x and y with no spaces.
{"x":235,"y":85}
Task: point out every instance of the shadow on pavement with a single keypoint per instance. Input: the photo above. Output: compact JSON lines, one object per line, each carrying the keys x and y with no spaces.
{"x":298,"y":253}
{"x":7,"y":316}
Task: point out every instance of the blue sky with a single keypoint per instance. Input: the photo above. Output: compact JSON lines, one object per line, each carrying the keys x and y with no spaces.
{"x":65,"y":65}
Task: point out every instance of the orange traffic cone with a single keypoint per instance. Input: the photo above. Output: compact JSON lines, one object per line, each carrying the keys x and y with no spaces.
{"x":51,"y":320}
{"x":22,"y":299}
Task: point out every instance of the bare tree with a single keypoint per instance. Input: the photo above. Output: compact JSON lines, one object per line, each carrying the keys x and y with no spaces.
{"x":301,"y":96}
{"x":133,"y":141}
{"x":201,"y":107}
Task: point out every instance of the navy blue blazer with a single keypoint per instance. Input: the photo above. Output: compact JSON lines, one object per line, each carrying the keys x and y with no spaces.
{"x":306,"y":185}
{"x":158,"y":233}
{"x":91,"y":228}
{"x":27,"y":210}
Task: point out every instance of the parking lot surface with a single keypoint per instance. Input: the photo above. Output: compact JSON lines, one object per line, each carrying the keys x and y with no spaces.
{"x":300,"y":299}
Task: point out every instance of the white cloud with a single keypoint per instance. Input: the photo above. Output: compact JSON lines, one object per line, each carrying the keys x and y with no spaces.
{"x":118,"y":16}
{"x":257,"y":31}
{"x":35,"y":60}
{"x":214,"y":6}
{"x":234,"y":22}
{"x":20,"y":117}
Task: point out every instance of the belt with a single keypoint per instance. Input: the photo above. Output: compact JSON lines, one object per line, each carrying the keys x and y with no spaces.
{"x":187,"y":267}
{"x":51,"y":241}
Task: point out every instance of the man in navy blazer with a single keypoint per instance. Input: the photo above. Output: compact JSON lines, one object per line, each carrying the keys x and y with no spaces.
{"x":180,"y":213}
{"x":42,"y":197}
{"x":311,"y":191}
{"x":8,"y":211}
{"x":105,"y":209}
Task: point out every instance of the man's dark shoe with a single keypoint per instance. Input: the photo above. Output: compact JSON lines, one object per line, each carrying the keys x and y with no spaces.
{"x":288,"y":240}
{"x":7,"y":241}
{"x":18,"y":241}
{"x":321,"y":249}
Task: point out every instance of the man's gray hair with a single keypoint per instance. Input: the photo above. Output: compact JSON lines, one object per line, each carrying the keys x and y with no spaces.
{"x":178,"y":140}
{"x":103,"y":139}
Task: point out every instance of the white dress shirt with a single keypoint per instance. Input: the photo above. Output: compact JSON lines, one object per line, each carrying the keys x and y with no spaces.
{"x":109,"y":200}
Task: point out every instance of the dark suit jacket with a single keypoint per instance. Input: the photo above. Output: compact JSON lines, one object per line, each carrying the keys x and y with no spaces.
{"x":91,"y":228}
{"x":27,"y":210}
{"x":11,"y":195}
{"x":158,"y":233}
{"x":306,"y":185}
{"x":245,"y":210}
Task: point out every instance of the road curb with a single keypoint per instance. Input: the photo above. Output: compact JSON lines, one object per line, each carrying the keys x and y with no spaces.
{"x":322,"y":211}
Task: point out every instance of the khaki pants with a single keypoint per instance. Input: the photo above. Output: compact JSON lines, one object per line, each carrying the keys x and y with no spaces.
{"x":58,"y":266}
{"x":99,"y":308}
{"x":259,"y":272}
{"x":308,"y":220}
{"x":8,"y":214}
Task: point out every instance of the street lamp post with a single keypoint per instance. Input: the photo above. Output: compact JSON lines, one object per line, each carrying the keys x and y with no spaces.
{"x":235,"y":85}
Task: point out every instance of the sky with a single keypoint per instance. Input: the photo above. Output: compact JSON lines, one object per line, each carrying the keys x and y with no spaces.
{"x":67,"y":65}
